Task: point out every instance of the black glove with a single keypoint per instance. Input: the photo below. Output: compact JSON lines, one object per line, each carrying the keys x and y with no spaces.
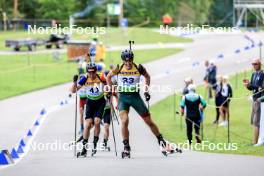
{"x":147,"y":96}
{"x":75,"y":78}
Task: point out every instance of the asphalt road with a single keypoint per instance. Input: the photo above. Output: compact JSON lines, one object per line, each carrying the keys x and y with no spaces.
{"x":146,"y":157}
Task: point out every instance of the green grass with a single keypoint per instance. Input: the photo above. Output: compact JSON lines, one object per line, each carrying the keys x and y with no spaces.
{"x":24,"y":73}
{"x":240,"y":128}
{"x":113,"y":36}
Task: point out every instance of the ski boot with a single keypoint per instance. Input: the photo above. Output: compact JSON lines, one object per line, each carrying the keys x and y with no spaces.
{"x":82,"y":154}
{"x":127,"y":149}
{"x":126,"y":152}
{"x":105,"y":145}
{"x":94,"y":150}
{"x":163,"y":144}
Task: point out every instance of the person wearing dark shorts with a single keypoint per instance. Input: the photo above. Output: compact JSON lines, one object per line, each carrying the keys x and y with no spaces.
{"x":128,"y":79}
{"x":127,"y":100}
{"x":255,"y":84}
{"x":95,"y":109}
{"x":94,"y":86}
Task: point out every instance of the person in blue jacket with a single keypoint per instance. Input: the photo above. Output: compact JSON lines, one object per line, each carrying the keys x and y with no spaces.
{"x":193,"y":105}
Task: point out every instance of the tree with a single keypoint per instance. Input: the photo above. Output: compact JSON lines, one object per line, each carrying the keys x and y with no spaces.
{"x":50,"y":9}
{"x":28,"y":9}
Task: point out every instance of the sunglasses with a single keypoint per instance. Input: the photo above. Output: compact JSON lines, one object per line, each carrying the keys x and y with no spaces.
{"x":255,"y":63}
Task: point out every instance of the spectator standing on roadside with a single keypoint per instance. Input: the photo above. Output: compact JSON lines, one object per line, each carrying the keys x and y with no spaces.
{"x":226,"y":94}
{"x":210,"y":77}
{"x":255,"y":84}
{"x":218,"y":97}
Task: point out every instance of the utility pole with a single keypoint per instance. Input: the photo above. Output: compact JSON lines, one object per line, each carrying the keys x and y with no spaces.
{"x":121,"y":15}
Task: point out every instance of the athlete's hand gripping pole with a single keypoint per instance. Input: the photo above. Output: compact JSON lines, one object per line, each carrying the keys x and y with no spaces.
{"x":130,"y":44}
{"x":147,"y":98}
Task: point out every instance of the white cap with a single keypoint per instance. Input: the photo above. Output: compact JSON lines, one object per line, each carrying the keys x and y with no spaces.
{"x":211,"y":62}
{"x":188,"y":79}
{"x":192,"y":87}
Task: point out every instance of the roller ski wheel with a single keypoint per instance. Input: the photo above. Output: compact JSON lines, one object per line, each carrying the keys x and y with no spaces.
{"x":125,"y":154}
{"x":107,"y":149}
{"x":82,"y":154}
{"x":168,"y":150}
{"x":177,"y":150}
{"x":94,"y":152}
{"x":172,"y":151}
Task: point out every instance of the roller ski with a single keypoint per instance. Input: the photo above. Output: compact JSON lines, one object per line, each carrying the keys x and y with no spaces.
{"x":166,"y":147}
{"x":169,"y":150}
{"x":82,"y":154}
{"x":77,"y":141}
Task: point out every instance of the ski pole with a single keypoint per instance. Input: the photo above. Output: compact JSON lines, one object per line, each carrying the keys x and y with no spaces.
{"x":228,"y":131}
{"x":202,"y":129}
{"x":113,"y":131}
{"x":177,"y":112}
{"x":113,"y":111}
{"x":202,"y":120}
{"x":75,"y":122}
{"x":174,"y":105}
{"x":115,"y":116}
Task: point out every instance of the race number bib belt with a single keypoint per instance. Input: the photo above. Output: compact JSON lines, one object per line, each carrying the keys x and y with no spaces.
{"x":128,"y":80}
{"x":94,"y":89}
